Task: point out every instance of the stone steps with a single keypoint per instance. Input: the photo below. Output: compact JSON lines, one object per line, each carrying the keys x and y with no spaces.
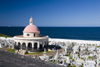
{"x":22,"y":52}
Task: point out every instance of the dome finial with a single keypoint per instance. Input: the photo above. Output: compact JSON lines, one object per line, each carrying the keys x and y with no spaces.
{"x":31,"y":21}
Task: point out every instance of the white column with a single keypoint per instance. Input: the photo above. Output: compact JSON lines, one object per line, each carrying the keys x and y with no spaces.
{"x":43,"y":44}
{"x":21,"y":45}
{"x":32,"y":45}
{"x":38,"y":45}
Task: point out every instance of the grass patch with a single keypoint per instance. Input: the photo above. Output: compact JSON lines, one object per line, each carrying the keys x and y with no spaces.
{"x":38,"y":52}
{"x":54,"y":62}
{"x":82,"y":58}
{"x":87,"y":50}
{"x":48,"y":51}
{"x":90,"y":57}
{"x":2,"y":35}
{"x":81,"y":66}
{"x":79,"y":55}
{"x":69,"y":55}
{"x":71,"y":58}
{"x":11,"y":50}
{"x":71,"y":66}
{"x":98,"y":46}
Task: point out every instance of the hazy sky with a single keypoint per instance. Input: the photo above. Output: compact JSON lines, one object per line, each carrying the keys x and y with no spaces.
{"x":50,"y":12}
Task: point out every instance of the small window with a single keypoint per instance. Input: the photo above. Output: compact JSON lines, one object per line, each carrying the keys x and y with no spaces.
{"x":27,"y":34}
{"x":34,"y":35}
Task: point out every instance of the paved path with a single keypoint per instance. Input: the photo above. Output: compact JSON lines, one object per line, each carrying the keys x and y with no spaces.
{"x":8,"y":59}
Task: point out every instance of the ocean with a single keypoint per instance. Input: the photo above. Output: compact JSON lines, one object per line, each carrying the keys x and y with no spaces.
{"x":79,"y":33}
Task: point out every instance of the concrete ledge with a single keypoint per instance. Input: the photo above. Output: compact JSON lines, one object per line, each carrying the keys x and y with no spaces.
{"x":8,"y":59}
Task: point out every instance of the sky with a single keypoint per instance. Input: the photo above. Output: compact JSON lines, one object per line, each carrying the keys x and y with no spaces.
{"x":50,"y":13}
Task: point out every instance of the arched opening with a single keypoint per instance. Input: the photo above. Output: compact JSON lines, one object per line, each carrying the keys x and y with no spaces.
{"x":15,"y":45}
{"x":44,"y":46}
{"x":40,"y":46}
{"x":35,"y":45}
{"x":24,"y":46}
{"x":29,"y":46}
{"x":3,"y":44}
{"x":19,"y":45}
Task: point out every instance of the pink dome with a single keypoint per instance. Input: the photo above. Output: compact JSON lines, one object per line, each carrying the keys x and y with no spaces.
{"x":31,"y":28}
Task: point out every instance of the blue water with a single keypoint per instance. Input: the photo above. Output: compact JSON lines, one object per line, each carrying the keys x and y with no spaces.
{"x":83,"y":33}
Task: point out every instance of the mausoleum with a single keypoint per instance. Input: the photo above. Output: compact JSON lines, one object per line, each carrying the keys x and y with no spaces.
{"x":31,"y":40}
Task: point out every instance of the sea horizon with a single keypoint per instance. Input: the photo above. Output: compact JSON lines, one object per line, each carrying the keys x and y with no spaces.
{"x":51,"y":26}
{"x":79,"y":33}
